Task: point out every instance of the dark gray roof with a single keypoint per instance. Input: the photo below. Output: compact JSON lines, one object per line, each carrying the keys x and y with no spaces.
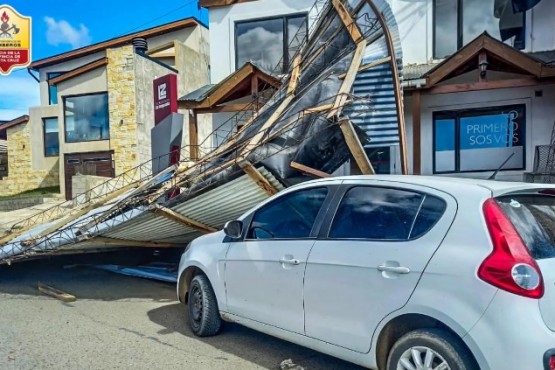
{"x":547,"y":57}
{"x":199,"y":94}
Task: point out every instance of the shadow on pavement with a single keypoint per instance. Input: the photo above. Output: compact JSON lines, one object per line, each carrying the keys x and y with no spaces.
{"x":258,"y":348}
{"x":75,"y":276}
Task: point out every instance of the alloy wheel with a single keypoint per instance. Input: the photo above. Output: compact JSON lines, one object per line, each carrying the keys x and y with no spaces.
{"x":422,"y":358}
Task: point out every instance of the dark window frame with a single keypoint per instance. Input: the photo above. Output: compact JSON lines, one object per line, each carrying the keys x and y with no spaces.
{"x":463,"y":113}
{"x":318,"y":221}
{"x":460,"y":30}
{"x":44,"y":136}
{"x":65,"y":97}
{"x":340,"y":195}
{"x":50,"y":75}
{"x":285,"y":47}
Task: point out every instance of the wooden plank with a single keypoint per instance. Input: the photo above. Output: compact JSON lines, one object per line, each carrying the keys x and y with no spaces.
{"x":416,"y":134}
{"x":294,"y":80}
{"x":369,"y":65}
{"x":131,"y":243}
{"x":258,"y":178}
{"x":342,"y":95}
{"x":347,"y":20}
{"x":488,"y":85}
{"x":512,"y":56}
{"x":226,"y":87}
{"x":356,"y":148}
{"x":55,"y":293}
{"x":396,"y":88}
{"x":309,"y":170}
{"x":176,"y":217}
{"x":193,"y":136}
{"x":66,"y":221}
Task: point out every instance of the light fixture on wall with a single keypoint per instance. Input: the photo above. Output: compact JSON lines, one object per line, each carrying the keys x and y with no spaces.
{"x":483,"y":64}
{"x":121,"y":122}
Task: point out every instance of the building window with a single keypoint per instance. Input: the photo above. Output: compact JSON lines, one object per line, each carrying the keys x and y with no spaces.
{"x":53,"y":89}
{"x":457,"y":22}
{"x":51,"y":138}
{"x":480,"y":139}
{"x":86,"y":118}
{"x":271,"y":43}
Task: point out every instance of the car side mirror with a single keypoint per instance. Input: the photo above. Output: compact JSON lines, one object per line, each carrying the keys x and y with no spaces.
{"x":234,"y":229}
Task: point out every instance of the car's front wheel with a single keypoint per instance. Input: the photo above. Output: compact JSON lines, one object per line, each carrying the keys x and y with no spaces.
{"x":429,"y":349}
{"x":204,"y":316}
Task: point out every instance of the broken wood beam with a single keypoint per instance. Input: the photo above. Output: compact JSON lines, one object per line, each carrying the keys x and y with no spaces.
{"x":348,"y":20}
{"x":368,"y":66}
{"x":309,"y":170}
{"x":179,"y":218}
{"x":258,"y":178}
{"x":343,"y":94}
{"x":295,"y":74}
{"x":55,"y":293}
{"x":356,"y":148}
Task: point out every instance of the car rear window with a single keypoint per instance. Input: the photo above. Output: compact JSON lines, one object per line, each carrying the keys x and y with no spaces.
{"x":377,"y":213}
{"x":534,"y":218}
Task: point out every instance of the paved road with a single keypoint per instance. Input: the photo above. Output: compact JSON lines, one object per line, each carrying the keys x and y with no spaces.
{"x":121,"y":322}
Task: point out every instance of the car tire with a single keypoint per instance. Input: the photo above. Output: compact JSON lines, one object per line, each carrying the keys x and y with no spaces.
{"x":204,"y":315}
{"x":427,"y":349}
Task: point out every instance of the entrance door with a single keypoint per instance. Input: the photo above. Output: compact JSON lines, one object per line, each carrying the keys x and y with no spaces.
{"x":94,"y":163}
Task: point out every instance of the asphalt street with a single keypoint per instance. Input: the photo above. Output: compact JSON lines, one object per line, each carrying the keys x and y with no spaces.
{"x":121,"y":322}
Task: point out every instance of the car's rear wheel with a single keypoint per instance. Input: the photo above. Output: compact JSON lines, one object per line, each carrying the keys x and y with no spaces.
{"x":429,"y":349}
{"x":204,"y":316}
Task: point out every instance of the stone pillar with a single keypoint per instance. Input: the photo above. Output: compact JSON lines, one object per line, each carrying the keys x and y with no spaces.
{"x":121,"y":104}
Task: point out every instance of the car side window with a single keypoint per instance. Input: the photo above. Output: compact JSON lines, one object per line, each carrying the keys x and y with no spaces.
{"x":430,"y":212}
{"x":291,"y":216}
{"x":377,"y":213}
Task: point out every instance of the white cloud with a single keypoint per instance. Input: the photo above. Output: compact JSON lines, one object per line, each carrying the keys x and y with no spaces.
{"x":61,"y":32}
{"x":18,"y":92}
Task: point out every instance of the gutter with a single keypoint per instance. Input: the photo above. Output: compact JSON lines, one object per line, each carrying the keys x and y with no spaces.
{"x":419,"y":83}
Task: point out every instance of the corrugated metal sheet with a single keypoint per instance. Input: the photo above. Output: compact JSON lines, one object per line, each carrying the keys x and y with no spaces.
{"x":373,"y":108}
{"x":213,"y":208}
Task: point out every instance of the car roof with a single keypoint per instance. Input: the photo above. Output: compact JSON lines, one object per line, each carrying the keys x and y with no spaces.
{"x":446,"y":183}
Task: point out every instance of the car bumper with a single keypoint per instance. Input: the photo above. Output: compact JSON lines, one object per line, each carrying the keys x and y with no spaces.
{"x":511,"y":335}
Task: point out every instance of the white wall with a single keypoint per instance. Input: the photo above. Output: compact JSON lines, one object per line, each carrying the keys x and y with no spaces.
{"x":222,"y":28}
{"x":540,"y":116}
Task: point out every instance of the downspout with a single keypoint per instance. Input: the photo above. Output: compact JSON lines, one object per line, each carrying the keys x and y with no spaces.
{"x":32,"y":75}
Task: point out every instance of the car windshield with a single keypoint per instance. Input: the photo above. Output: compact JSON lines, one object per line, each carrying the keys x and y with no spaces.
{"x":534,"y":218}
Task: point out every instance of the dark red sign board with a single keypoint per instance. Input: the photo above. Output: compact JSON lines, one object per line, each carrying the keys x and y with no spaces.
{"x":165,"y":97}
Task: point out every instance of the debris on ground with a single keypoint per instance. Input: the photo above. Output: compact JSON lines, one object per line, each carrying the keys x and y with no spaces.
{"x":166,"y":272}
{"x":289,"y":365}
{"x":55,"y":293}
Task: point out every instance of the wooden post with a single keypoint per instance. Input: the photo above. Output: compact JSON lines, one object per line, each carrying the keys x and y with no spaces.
{"x":193,"y":136}
{"x":356,"y":148}
{"x":309,"y":170}
{"x":180,"y":219}
{"x":416,"y":134}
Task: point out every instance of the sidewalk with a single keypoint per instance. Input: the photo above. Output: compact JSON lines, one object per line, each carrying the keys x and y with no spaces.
{"x":7,"y":219}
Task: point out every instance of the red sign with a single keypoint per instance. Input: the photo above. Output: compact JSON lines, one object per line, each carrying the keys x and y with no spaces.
{"x":165,"y":97}
{"x":15,"y":40}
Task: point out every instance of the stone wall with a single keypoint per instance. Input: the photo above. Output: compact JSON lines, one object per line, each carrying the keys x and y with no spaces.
{"x":21,"y":174}
{"x":121,"y":103}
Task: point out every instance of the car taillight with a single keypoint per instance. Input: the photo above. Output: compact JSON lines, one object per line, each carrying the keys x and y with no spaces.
{"x":552,"y":363}
{"x":510,"y":266}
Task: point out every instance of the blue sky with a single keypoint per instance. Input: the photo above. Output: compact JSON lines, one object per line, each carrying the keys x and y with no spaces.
{"x":60,"y":26}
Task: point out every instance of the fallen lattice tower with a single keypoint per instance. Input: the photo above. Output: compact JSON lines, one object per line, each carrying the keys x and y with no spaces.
{"x":304,"y":130}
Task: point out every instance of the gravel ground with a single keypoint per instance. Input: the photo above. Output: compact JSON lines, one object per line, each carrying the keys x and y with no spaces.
{"x":121,"y":322}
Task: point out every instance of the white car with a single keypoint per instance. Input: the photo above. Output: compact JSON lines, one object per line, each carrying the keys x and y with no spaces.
{"x":388,"y":272}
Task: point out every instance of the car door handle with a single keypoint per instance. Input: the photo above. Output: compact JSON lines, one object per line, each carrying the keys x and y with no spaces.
{"x":394,"y":269}
{"x":290,"y":261}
